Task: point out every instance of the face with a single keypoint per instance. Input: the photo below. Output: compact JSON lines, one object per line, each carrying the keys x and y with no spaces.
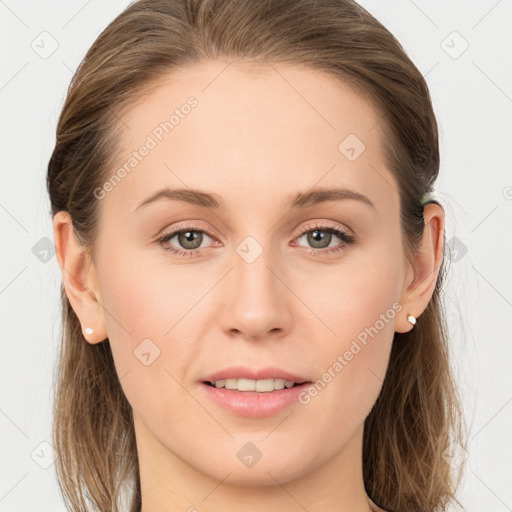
{"x":267,"y":273}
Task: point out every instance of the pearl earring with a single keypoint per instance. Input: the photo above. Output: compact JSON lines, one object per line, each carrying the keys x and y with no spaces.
{"x":411,"y":319}
{"x":89,"y":330}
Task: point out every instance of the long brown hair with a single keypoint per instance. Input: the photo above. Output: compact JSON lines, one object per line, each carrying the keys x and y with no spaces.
{"x":418,"y":413}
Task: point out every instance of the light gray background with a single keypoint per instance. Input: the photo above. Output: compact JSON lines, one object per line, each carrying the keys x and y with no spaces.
{"x":472,"y":95}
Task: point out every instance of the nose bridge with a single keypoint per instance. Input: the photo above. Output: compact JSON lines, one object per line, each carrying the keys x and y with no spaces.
{"x":256,"y":303}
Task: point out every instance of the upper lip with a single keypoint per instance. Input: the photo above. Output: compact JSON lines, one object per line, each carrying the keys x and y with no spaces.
{"x":243,"y":372}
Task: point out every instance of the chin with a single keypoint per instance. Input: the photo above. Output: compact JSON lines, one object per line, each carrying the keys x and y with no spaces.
{"x":269,"y":470}
{"x":267,"y":476}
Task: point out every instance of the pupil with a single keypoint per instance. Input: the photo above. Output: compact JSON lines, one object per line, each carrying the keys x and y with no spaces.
{"x":190,"y":237}
{"x":317,"y":237}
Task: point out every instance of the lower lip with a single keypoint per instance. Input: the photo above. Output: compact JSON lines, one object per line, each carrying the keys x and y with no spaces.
{"x":253,"y":403}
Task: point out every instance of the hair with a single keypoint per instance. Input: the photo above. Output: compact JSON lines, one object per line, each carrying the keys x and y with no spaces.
{"x":418,"y":413}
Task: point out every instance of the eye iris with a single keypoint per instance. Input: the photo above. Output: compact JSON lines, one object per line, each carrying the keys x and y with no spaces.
{"x":190,"y":237}
{"x":313,"y":235}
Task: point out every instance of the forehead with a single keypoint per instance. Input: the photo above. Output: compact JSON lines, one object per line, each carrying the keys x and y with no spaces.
{"x":257,"y":129}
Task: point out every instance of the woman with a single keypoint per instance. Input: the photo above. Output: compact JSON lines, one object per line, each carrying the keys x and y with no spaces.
{"x":252,"y":266}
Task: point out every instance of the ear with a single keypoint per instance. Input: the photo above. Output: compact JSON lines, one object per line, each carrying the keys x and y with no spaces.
{"x":79,"y":278}
{"x":422,"y":277}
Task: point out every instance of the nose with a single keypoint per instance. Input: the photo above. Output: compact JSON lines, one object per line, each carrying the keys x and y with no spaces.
{"x":257,"y":300}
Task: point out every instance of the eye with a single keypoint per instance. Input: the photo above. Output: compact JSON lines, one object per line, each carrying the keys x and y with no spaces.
{"x":190,"y":238}
{"x":320,"y":237}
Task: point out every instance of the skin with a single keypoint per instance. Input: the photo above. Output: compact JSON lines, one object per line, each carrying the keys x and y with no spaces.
{"x":254,"y":139}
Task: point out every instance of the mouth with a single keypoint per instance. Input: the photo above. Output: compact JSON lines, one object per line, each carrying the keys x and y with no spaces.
{"x":250,"y":392}
{"x":252,"y":385}
{"x":246,"y":379}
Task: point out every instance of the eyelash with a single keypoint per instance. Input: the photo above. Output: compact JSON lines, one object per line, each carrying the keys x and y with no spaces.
{"x":348,"y":239}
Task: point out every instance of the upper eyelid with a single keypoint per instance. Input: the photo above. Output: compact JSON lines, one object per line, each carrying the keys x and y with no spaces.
{"x":192,"y":227}
{"x":321,"y":225}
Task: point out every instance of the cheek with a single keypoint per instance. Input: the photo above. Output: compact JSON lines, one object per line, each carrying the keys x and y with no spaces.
{"x":359,"y":307}
{"x":135,"y":317}
{"x":150,"y":365}
{"x":143,"y":297}
{"x":355,"y":297}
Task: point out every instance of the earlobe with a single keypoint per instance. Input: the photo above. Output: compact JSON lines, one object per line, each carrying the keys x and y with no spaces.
{"x":79,"y":279}
{"x":421,"y":281}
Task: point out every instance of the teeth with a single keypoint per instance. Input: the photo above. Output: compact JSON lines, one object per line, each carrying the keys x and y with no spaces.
{"x":279,"y":383}
{"x":262,"y":386}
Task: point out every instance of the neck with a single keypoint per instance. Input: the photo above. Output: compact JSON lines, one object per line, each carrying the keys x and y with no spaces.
{"x":169,"y":483}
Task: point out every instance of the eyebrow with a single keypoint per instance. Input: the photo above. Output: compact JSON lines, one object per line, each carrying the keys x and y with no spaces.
{"x":212,"y":200}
